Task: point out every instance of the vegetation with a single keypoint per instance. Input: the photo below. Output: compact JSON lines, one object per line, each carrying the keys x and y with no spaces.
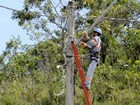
{"x":35,"y":75}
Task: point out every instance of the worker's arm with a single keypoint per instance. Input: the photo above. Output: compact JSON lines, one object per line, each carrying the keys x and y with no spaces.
{"x":92,"y":42}
{"x":85,"y":45}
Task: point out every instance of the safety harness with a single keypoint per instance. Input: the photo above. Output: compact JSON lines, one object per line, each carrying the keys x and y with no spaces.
{"x":94,"y":50}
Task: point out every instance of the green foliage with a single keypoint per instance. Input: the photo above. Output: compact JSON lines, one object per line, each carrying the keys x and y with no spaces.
{"x":34,"y":2}
{"x":109,"y":86}
{"x":132,"y":44}
{"x":33,"y":77}
{"x":112,"y":86}
{"x":24,"y":16}
{"x":32,"y":89}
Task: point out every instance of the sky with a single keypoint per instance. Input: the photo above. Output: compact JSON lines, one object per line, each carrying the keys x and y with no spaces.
{"x":8,"y":26}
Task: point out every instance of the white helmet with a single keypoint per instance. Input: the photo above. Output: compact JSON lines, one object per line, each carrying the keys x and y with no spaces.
{"x":98,"y":30}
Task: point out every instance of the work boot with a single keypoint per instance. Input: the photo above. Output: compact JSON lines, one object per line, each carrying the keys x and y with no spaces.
{"x":87,"y":87}
{"x":87,"y":84}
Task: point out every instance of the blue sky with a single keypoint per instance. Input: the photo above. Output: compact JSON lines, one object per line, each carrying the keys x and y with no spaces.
{"x":9,"y":27}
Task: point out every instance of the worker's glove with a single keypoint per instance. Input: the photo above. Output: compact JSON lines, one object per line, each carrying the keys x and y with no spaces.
{"x":83,"y":44}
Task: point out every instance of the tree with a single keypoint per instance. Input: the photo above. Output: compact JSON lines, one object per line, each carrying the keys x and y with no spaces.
{"x":39,"y":13}
{"x":33,"y":76}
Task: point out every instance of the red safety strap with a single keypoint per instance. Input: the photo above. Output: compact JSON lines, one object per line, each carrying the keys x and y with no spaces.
{"x":81,"y":73}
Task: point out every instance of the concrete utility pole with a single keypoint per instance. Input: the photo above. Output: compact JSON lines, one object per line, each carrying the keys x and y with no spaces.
{"x":69,"y":57}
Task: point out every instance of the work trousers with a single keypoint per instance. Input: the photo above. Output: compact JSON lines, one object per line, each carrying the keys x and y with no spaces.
{"x":90,"y":71}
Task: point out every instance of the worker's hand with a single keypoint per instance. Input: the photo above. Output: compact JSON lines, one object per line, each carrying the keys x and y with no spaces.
{"x":85,"y":35}
{"x":83,"y":44}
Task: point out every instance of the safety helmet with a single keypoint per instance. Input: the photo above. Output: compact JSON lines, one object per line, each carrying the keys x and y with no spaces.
{"x":98,"y":30}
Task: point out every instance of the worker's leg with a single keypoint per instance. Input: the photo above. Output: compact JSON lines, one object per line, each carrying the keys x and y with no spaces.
{"x":90,"y":73}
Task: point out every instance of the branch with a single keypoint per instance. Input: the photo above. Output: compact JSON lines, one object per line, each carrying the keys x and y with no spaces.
{"x":102,"y":15}
{"x":1,"y":6}
{"x":55,"y":10}
{"x":112,"y":19}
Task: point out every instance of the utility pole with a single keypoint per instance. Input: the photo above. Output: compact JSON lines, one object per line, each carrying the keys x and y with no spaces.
{"x":69,"y":57}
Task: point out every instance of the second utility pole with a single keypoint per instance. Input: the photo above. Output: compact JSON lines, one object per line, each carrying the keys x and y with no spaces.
{"x":69,"y":57}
